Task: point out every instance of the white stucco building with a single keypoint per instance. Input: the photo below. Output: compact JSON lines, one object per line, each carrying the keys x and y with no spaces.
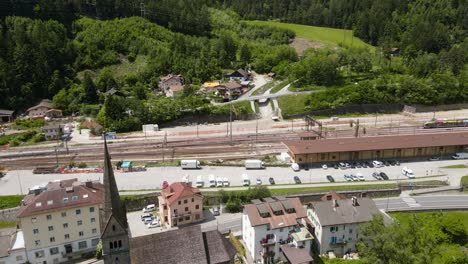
{"x":12,"y":249}
{"x":276,"y":228}
{"x":336,"y":222}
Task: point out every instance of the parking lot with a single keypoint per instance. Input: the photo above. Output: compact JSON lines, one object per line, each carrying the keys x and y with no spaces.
{"x":153,"y":177}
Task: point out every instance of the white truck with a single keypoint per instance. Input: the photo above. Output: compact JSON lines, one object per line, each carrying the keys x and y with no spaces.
{"x":254,"y":164}
{"x":461,"y":155}
{"x":408,"y":173}
{"x":245,"y":180}
{"x":190,"y":164}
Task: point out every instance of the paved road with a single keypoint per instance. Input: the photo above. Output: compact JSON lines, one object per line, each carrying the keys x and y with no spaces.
{"x":423,"y":202}
{"x":153,"y":177}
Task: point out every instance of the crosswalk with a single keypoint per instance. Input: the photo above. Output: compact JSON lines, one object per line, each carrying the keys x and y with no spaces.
{"x":411,"y":202}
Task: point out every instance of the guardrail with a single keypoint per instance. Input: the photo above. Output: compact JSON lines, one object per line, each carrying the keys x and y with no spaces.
{"x":428,"y":209}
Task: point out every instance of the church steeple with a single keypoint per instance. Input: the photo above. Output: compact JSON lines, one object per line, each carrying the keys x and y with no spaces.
{"x":114,"y":231}
{"x":112,"y":204}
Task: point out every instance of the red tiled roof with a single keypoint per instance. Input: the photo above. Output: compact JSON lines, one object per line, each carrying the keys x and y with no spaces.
{"x":56,"y":191}
{"x":178,"y":190}
{"x":276,"y":221}
{"x":332,"y":196}
{"x":377,"y":143}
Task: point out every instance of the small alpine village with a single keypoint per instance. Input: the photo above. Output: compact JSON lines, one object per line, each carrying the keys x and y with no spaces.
{"x":233,"y":131}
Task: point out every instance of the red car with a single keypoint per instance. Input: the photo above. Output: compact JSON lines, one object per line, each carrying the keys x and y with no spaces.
{"x":165,"y":184}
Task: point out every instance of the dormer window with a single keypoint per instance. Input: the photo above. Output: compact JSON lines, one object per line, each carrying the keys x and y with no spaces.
{"x":65,"y":199}
{"x":50,"y":202}
{"x":85,"y":196}
{"x":74,"y":198}
{"x":38,"y":204}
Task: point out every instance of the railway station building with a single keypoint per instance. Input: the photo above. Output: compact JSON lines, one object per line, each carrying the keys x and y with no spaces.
{"x":381,"y":147}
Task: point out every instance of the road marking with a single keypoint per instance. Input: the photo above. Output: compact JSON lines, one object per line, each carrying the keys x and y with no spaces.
{"x":411,"y":202}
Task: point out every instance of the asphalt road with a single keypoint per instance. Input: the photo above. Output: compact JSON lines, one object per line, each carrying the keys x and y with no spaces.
{"x":423,"y":202}
{"x":19,"y":181}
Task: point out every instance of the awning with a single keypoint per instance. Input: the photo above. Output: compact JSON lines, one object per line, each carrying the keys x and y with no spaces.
{"x":296,"y":255}
{"x":127,"y":164}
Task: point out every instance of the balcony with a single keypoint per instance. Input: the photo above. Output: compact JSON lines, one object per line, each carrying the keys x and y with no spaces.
{"x":338,"y":242}
{"x":301,"y":234}
{"x":268,"y":241}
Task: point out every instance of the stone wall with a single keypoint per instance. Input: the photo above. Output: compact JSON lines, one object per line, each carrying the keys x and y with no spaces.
{"x":137,"y":202}
{"x":363,"y":109}
{"x":8,"y":214}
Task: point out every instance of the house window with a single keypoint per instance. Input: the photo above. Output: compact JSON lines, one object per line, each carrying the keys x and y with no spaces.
{"x":74,"y":198}
{"x":79,"y":222}
{"x":35,"y":231}
{"x":111,"y":245}
{"x":113,"y":227}
{"x":268,"y":228}
{"x":82,"y":244}
{"x":186,"y":209}
{"x":322,"y":156}
{"x":197,"y":216}
{"x":334,"y":229}
{"x":94,"y":230}
{"x":181,"y":219}
{"x":37,"y":242}
{"x":39,"y":254}
{"x":49,"y":217}
{"x":94,"y":242}
{"x":91,"y":209}
{"x":65,"y":225}
{"x":64,"y":214}
{"x":65,"y":199}
{"x":193,"y":200}
{"x":187,"y":218}
{"x":333,"y":240}
{"x":33,"y":220}
{"x":165,"y":207}
{"x":81,"y":233}
{"x":67,"y":236}
{"x":52,"y":239}
{"x":120,"y":243}
{"x":350,"y":231}
{"x":197,"y":206}
{"x":51,"y":228}
{"x":93,"y":220}
{"x":54,"y":251}
{"x":180,"y":202}
{"x":78,"y":211}
{"x":185,"y":201}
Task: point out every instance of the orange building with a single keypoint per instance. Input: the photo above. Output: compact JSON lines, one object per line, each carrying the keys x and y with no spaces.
{"x":180,"y":204}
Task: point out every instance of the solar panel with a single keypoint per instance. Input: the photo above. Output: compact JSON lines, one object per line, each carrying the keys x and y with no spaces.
{"x":256,"y":201}
{"x":262,"y":209}
{"x":277,"y":208}
{"x":287,"y":205}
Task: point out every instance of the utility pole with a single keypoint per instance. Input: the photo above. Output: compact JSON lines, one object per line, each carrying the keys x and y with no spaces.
{"x":230,"y":119}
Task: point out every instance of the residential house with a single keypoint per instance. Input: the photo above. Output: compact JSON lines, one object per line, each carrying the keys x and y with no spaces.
{"x":211,"y":86}
{"x":6,"y":115}
{"x":40,"y":110}
{"x":53,"y":132}
{"x":238,"y":75}
{"x":276,"y":228}
{"x":180,"y":204}
{"x":171,"y":79}
{"x":12,"y":249}
{"x":61,"y":221}
{"x":230,"y":89}
{"x":173,"y":90}
{"x":336,"y":222}
{"x":53,"y":113}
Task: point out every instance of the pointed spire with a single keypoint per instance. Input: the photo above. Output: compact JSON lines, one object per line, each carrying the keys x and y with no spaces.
{"x":112,"y":204}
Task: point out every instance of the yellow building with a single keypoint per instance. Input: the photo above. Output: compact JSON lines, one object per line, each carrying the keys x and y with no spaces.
{"x":382,"y":147}
{"x":180,"y":204}
{"x":61,"y":220}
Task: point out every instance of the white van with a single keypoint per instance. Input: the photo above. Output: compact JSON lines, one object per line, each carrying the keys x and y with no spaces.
{"x":219,"y":182}
{"x":212,"y":180}
{"x":149,"y":208}
{"x":200,"y":181}
{"x":225,"y":181}
{"x":245,"y":180}
{"x":377,"y":163}
{"x":408,"y":173}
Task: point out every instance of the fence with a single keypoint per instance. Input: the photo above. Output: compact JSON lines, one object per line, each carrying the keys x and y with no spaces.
{"x":351,"y":109}
{"x":435,"y":108}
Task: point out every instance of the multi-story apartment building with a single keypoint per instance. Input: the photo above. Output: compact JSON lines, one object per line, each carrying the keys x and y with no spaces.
{"x":61,"y":220}
{"x":180,"y":204}
{"x":276,"y":228}
{"x":336,"y":222}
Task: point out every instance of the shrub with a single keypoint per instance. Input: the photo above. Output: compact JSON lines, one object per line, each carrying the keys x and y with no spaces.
{"x":82,"y":165}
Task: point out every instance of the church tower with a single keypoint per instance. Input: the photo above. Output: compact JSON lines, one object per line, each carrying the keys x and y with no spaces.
{"x":114,"y":228}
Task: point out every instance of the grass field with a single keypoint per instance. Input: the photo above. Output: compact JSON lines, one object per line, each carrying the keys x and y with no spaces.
{"x":7,"y":224}
{"x":404,"y":218}
{"x":456,"y":166}
{"x":292,"y":104}
{"x":129,"y":67}
{"x":328,"y":36}
{"x":279,"y":86}
{"x":290,"y":191}
{"x":10,"y":201}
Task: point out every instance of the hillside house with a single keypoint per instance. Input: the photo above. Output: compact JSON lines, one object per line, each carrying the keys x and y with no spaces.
{"x":238,"y":75}
{"x":169,"y":80}
{"x":40,"y":110}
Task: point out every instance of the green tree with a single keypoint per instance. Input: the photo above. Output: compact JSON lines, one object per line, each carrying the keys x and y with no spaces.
{"x":89,"y":88}
{"x":245,"y":55}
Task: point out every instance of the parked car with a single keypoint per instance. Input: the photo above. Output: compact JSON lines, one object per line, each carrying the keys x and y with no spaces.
{"x":216,"y":211}
{"x":225,"y":182}
{"x":383,"y":175}
{"x":258,"y":181}
{"x":295,"y":167}
{"x":153,"y":224}
{"x":348,"y":177}
{"x":336,"y":166}
{"x":397,"y":162}
{"x":386,"y":163}
{"x":324,"y":166}
{"x":342,"y":165}
{"x":148,"y":220}
{"x":358,"y":165}
{"x":353,"y":165}
{"x":376,"y":176}
{"x":330,"y":178}
{"x":297,"y":180}
{"x":354,"y":177}
{"x":146,"y":215}
{"x":434,"y":158}
{"x":364,"y":164}
{"x":271,"y":180}
{"x":370,"y":164}
{"x":360,"y":177}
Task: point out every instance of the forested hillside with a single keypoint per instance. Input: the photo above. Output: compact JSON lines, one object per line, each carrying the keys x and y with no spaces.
{"x":73,"y":51}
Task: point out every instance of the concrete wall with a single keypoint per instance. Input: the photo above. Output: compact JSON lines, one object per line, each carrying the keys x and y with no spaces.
{"x":8,"y":214}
